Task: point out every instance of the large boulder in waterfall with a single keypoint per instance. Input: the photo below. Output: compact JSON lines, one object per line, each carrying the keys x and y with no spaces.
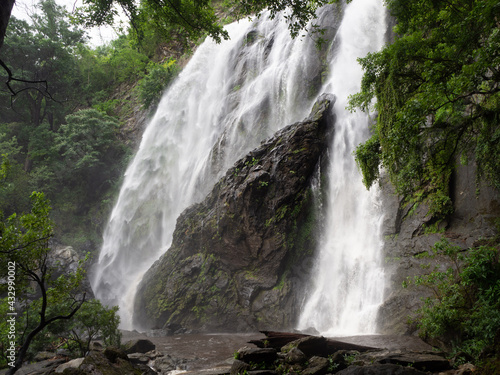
{"x":239,"y":257}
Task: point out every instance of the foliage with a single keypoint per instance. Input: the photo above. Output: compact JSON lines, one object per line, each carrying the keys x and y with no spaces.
{"x":437,"y":97}
{"x":155,"y":82}
{"x":86,"y":137}
{"x":92,"y":321}
{"x":464,"y":311}
{"x":42,"y":52}
{"x":193,"y":19}
{"x":44,"y":296}
{"x":46,"y":301}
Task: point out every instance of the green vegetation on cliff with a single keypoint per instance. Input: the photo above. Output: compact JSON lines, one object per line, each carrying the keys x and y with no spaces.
{"x":463,"y":313}
{"x":437,"y":97}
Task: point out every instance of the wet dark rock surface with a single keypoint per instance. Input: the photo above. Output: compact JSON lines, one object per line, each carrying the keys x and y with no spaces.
{"x":407,"y":233}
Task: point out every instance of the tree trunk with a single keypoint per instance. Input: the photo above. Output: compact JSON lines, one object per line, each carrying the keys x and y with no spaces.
{"x":5,"y":11}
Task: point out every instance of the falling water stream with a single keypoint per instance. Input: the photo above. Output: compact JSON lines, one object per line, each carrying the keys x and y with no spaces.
{"x":229,"y":98}
{"x":348,"y":285}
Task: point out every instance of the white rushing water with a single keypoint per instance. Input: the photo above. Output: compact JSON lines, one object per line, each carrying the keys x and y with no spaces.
{"x":348,"y":283}
{"x":227,"y":100}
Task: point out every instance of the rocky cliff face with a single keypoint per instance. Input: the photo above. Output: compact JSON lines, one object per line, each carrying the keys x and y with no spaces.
{"x":476,"y":208}
{"x":238,"y":258}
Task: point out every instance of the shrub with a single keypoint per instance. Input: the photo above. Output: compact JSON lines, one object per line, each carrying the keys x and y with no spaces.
{"x":464,"y":312}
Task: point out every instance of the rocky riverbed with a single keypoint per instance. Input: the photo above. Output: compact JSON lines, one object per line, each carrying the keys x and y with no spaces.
{"x":272,"y":353}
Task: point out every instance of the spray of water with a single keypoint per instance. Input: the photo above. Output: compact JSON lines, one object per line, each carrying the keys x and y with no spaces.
{"x":349,"y":281}
{"x":227,"y":100}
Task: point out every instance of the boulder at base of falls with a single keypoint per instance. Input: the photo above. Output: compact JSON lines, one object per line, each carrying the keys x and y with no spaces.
{"x":238,"y":258}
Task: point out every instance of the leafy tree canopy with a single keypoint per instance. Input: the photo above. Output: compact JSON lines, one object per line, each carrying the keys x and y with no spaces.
{"x":42,"y":57}
{"x":437,"y":97}
{"x":194,"y":18}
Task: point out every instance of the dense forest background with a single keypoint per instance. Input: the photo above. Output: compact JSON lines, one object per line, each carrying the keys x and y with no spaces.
{"x":67,"y":126}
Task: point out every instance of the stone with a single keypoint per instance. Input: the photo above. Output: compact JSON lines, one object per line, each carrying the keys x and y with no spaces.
{"x":168,"y":363}
{"x":42,"y":356}
{"x":137,"y":358}
{"x":98,"y":363}
{"x":310,"y":345}
{"x":317,"y":366}
{"x":139,"y":346}
{"x":475,"y":207}
{"x":257,"y":355}
{"x":240,"y":258}
{"x":420,"y":361}
{"x":338,"y":359}
{"x":239,"y":367}
{"x":388,"y":369}
{"x":113,"y":354}
{"x":74,"y":363}
{"x":294,"y":356}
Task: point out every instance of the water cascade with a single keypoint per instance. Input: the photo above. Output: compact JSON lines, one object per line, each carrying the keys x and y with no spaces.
{"x":349,"y":280}
{"x":227,"y":100}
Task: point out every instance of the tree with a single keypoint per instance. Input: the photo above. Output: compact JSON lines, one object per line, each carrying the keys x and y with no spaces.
{"x":152,"y":86}
{"x":26,"y":264}
{"x":464,"y":310}
{"x":92,"y":321}
{"x":5,"y":11}
{"x":43,"y":52}
{"x":194,"y":18}
{"x":437,"y":97}
{"x":87,"y":142}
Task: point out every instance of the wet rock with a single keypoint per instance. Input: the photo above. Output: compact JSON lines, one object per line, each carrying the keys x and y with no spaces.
{"x":113,"y":354}
{"x":139,"y":346}
{"x":475,"y":207}
{"x":96,"y":345}
{"x":317,"y":366}
{"x":420,"y":361}
{"x":295,"y":356}
{"x":74,"y":363}
{"x":240,"y":257}
{"x":338,"y":360}
{"x":257,"y":355}
{"x":380,"y":370}
{"x":168,"y":363}
{"x":42,"y":356}
{"x":424,"y":361}
{"x":98,"y":363}
{"x":239,"y":367}
{"x":139,"y":358}
{"x":38,"y":368}
{"x":310,"y":345}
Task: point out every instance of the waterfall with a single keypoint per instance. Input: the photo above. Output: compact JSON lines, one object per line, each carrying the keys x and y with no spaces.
{"x":348,"y":284}
{"x":229,"y":98}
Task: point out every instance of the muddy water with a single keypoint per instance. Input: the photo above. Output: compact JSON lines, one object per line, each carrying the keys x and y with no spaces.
{"x":212,"y":351}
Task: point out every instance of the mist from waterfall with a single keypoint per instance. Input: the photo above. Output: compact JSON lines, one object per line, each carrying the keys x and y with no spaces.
{"x":229,"y":98}
{"x":348,"y":284}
